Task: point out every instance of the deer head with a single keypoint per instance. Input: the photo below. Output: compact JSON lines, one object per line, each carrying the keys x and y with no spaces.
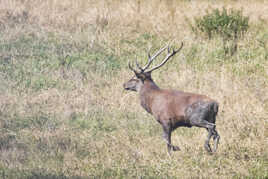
{"x":143,"y":74}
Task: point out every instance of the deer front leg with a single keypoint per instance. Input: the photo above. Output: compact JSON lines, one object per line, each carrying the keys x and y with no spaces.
{"x":167,"y":137}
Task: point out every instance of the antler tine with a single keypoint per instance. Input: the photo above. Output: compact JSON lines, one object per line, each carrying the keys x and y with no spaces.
{"x":179,"y":48}
{"x":167,"y":57}
{"x":139,"y":67}
{"x":150,"y":59}
{"x":130,"y":67}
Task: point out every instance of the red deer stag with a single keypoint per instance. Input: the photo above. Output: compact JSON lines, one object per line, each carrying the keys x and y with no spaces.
{"x":171,"y":108}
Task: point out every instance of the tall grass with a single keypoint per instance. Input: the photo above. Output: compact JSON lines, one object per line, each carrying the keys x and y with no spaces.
{"x":63,"y":111}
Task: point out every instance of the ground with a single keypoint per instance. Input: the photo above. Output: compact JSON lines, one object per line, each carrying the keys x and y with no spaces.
{"x":63,"y":110}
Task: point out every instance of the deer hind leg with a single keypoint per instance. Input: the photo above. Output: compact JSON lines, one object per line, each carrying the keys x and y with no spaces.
{"x":216,"y":139}
{"x":203,"y":114}
{"x":212,"y":132}
{"x":210,"y":127}
{"x":198,"y":119}
{"x":167,"y":129}
{"x":199,"y":122}
{"x":212,"y":118}
{"x":207,"y":145}
{"x":216,"y":136}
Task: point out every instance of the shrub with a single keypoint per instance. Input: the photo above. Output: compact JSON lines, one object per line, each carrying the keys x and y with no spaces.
{"x":229,"y":25}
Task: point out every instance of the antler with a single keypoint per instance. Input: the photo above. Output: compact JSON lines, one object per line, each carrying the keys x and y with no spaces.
{"x":150,"y":59}
{"x":167,"y":57}
{"x":130,"y":67}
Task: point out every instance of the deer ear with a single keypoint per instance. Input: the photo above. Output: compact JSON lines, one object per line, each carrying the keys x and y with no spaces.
{"x":136,"y":73}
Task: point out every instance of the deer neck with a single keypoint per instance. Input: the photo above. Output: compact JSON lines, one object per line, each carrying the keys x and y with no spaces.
{"x":147,"y":92}
{"x":148,"y":87}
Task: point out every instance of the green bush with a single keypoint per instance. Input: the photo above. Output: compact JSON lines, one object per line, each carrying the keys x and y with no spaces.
{"x":229,"y":25}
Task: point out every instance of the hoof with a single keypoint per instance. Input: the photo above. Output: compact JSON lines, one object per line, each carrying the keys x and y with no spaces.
{"x":207,"y":147}
{"x":176,"y":148}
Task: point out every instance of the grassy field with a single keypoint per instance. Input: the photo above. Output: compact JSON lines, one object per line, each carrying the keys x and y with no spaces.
{"x":63,"y":110}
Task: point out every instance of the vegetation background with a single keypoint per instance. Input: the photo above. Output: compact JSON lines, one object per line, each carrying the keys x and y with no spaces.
{"x":63,"y":111}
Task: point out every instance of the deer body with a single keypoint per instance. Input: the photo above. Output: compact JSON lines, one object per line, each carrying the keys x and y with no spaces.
{"x":172,"y":108}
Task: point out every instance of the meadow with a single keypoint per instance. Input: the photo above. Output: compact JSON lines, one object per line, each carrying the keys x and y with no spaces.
{"x":63,"y":110}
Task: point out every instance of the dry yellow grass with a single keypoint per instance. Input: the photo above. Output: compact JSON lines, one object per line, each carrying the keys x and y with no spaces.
{"x":85,"y":125}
